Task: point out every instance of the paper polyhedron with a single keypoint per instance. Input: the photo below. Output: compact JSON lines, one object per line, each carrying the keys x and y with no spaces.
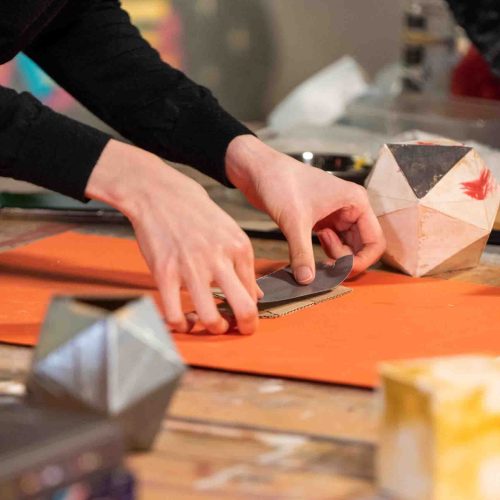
{"x":436,"y":203}
{"x":110,"y":356}
{"x":440,"y":428}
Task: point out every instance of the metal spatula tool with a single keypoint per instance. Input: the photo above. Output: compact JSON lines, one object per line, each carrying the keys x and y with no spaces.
{"x":280,"y":286}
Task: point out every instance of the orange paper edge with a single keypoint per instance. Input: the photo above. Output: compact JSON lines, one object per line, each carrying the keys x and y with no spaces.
{"x":388,"y":316}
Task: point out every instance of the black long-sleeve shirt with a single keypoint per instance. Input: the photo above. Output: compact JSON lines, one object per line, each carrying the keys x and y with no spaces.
{"x":93,"y":51}
{"x":481,"y":21}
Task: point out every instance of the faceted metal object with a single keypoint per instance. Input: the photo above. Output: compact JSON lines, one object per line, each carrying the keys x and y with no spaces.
{"x":111,"y":356}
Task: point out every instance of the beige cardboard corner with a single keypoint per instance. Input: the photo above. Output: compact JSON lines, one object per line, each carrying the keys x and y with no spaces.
{"x":290,"y":307}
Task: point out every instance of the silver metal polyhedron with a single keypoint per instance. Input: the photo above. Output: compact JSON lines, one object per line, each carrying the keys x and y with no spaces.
{"x":111,"y":356}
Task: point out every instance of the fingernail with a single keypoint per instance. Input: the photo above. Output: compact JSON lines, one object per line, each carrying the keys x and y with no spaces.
{"x":303,"y":274}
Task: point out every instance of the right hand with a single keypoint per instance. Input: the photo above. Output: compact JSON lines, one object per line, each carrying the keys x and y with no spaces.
{"x":186,"y":239}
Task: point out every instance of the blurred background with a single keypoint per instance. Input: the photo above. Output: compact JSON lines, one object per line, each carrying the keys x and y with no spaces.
{"x":251,"y":53}
{"x":364,"y":72}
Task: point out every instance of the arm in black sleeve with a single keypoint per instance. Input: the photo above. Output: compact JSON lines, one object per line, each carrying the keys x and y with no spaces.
{"x":481,"y":21}
{"x":41,"y":146}
{"x":95,"y":53}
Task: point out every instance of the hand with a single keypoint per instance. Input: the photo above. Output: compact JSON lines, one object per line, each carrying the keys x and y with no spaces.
{"x":301,"y":199}
{"x":184,"y":236}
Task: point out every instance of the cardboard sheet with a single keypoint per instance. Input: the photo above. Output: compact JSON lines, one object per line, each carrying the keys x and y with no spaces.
{"x":284,"y":308}
{"x":388,"y":316}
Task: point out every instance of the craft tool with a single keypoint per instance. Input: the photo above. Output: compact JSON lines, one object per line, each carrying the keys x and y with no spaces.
{"x":281,"y":286}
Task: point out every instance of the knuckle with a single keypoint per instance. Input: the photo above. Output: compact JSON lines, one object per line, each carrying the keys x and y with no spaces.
{"x":197,"y":244}
{"x":297,"y":223}
{"x":197,"y":251}
{"x":299,"y":254}
{"x":383,"y":245}
{"x":212,"y":322}
{"x":159,"y":273}
{"x":217,"y":252}
{"x":360,"y":193}
{"x":164,"y":266}
{"x":178,"y":327}
{"x":191,"y":267}
{"x":174,"y":318}
{"x":295,"y":215}
{"x":242,"y":245}
{"x":247,"y":314}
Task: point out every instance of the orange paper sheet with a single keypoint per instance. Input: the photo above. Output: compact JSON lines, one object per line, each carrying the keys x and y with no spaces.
{"x":388,"y":316}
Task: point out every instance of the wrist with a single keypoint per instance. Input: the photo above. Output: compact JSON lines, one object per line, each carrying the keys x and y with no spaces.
{"x":129,"y":178}
{"x":113,"y":177}
{"x":247,"y":157}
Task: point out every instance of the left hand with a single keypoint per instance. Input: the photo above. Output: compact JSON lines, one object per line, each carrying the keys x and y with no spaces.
{"x":302,"y":199}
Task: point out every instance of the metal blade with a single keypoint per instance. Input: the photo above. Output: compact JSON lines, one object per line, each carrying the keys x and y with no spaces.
{"x":280,"y":286}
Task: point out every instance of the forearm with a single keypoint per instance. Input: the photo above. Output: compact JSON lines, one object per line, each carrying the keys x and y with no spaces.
{"x":45,"y":148}
{"x":95,"y":53}
{"x":124,"y":175}
{"x":127,"y":178}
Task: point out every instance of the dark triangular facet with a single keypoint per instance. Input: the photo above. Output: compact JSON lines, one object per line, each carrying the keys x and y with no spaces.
{"x":424,"y":165}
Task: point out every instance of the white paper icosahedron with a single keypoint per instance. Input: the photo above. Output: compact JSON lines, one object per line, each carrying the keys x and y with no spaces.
{"x":436,"y":203}
{"x":111,"y":356}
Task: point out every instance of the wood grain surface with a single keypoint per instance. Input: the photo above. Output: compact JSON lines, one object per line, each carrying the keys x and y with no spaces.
{"x":232,"y":436}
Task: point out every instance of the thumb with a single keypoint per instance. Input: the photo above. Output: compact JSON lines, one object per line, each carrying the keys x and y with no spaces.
{"x":299,"y":239}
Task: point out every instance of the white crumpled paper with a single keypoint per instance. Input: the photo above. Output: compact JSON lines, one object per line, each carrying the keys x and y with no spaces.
{"x":321,"y":99}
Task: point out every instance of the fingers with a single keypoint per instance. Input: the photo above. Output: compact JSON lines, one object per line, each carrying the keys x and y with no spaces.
{"x":299,"y":239}
{"x":170,"y":291}
{"x":372,"y":239}
{"x":233,"y":273}
{"x":243,"y":305}
{"x":205,"y":307}
{"x":332,"y":244}
{"x":241,"y":289}
{"x":354,"y":230}
{"x":244,"y":267}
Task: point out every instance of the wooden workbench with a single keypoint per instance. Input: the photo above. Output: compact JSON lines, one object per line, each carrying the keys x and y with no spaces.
{"x":231,"y":436}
